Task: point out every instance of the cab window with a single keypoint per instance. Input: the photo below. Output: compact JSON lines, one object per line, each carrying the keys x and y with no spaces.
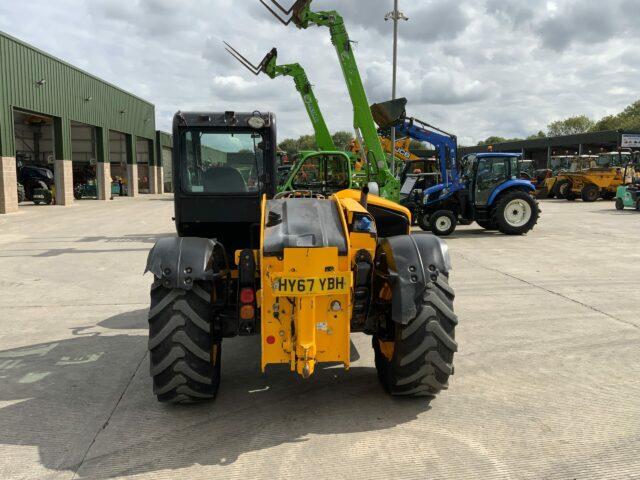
{"x":222,"y":162}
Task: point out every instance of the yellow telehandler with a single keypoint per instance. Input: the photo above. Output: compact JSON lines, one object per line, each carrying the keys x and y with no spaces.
{"x":301,"y":269}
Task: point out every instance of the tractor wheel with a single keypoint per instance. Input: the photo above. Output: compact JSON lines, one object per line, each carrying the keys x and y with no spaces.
{"x":422,"y":220}
{"x":590,"y":193}
{"x":185,"y":359}
{"x":516,"y":212}
{"x":562,"y":188}
{"x":443,"y":222}
{"x":487,"y":224}
{"x":21,"y":193}
{"x":419,"y":359}
{"x":571,"y":196}
{"x":620,"y":204}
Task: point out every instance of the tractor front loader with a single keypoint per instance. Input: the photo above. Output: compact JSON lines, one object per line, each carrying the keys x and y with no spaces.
{"x":299,"y":269}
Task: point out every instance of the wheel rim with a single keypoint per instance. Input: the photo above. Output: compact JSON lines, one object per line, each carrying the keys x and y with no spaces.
{"x":563,"y":189}
{"x":442,"y":224}
{"x":517,"y":212}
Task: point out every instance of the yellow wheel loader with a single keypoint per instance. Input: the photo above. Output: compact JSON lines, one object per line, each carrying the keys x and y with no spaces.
{"x":557,"y":182}
{"x":602,"y":179}
{"x":300,"y":269}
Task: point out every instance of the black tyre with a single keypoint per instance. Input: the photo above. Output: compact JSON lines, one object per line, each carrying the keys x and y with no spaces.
{"x":562,"y":188}
{"x":77,"y":193}
{"x":571,"y":196}
{"x":638,"y":204}
{"x":48,"y":197}
{"x":487,"y":224}
{"x":443,"y":222}
{"x":419,"y":360}
{"x":516,"y":212}
{"x":590,"y":193}
{"x":185,"y":359}
{"x":422,"y":220}
{"x":620,"y":204}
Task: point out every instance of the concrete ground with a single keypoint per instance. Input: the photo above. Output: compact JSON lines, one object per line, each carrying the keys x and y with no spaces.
{"x":547,"y":381}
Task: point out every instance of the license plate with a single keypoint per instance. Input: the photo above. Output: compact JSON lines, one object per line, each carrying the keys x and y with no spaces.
{"x":290,"y":286}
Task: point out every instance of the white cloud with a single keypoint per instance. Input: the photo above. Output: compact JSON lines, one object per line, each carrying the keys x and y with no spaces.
{"x":476,"y":68}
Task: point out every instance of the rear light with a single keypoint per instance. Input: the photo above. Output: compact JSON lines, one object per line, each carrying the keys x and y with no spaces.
{"x":271,"y":339}
{"x":247,"y":312}
{"x":247,"y":295}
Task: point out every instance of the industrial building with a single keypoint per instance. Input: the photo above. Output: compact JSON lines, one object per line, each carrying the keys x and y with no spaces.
{"x":88,"y":136}
{"x":540,"y":149}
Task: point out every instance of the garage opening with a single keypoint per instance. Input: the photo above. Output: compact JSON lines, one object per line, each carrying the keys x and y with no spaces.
{"x":118,"y":162}
{"x":34,"y":142}
{"x":84,"y":160}
{"x":167,"y":169}
{"x":143,"y":147}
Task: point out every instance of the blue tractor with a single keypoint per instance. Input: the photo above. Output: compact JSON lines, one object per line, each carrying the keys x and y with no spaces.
{"x":485,"y":187}
{"x":489,"y":191}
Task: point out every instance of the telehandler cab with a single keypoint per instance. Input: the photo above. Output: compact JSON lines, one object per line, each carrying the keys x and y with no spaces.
{"x":300,"y":269}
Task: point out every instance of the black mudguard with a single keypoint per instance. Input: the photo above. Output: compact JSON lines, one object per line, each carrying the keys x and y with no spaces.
{"x":180,"y":261}
{"x":412,"y":261}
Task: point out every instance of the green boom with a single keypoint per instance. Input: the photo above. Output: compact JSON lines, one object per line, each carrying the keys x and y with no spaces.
{"x":303,"y":17}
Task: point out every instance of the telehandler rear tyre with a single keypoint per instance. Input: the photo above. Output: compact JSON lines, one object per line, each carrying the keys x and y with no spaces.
{"x":185,"y":359}
{"x":419,"y":360}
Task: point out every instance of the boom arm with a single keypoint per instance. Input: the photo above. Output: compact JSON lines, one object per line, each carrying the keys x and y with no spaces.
{"x":269,"y":66}
{"x":303,"y":17}
{"x":445,"y":143}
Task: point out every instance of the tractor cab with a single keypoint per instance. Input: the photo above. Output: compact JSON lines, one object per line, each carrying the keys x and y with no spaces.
{"x":320,"y":173}
{"x":485,"y":173}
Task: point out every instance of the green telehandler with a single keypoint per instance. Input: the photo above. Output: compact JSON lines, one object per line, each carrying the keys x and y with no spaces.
{"x":382,"y":181}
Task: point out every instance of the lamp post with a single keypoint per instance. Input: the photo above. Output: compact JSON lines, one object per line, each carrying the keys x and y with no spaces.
{"x":394,"y":15}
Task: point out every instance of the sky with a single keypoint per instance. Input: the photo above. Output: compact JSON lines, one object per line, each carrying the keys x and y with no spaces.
{"x":473,"y":68}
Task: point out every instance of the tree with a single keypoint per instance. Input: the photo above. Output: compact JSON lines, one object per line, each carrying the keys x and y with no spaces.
{"x":535,"y":136}
{"x":294,"y":145}
{"x":491,"y":140}
{"x":570,"y":126}
{"x":628,"y":119}
{"x":342,"y":139}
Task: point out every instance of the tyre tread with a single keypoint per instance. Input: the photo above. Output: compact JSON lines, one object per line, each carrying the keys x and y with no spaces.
{"x":423,"y":351}
{"x":180,"y":344}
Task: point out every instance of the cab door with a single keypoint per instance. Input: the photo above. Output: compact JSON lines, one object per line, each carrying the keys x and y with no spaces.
{"x":490,"y":173}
